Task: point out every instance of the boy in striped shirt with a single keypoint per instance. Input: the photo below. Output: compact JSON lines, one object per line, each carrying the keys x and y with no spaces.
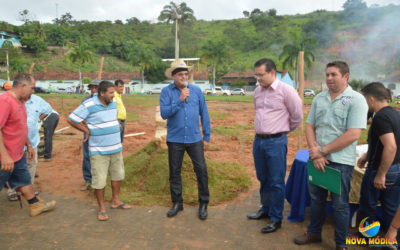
{"x":103,"y":130}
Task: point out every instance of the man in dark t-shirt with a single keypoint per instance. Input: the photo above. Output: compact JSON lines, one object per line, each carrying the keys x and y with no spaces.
{"x":381,"y":181}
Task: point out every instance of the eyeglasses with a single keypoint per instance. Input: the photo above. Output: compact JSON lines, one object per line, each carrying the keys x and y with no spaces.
{"x":259,"y":75}
{"x":182,"y":74}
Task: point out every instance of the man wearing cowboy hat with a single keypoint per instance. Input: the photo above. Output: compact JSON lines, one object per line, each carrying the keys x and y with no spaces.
{"x":182,"y":104}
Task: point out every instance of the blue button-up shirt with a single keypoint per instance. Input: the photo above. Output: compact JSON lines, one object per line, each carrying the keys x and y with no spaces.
{"x":35,"y":107}
{"x":183,"y":117}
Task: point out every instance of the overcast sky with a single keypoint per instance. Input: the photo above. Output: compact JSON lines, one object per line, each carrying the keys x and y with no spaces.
{"x":97,"y":10}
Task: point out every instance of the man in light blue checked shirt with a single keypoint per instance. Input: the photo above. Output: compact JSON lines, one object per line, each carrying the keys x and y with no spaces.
{"x":103,"y":130}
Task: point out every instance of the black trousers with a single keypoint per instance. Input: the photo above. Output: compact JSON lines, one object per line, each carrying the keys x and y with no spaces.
{"x":175,"y":157}
{"x":49,"y":126}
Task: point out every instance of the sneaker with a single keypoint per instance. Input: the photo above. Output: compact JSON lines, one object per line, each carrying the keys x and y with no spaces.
{"x":307,"y":238}
{"x":85,"y":186}
{"x":40,"y":207}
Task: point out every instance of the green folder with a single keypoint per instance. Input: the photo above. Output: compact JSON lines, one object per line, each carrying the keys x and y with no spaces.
{"x":330,"y":180}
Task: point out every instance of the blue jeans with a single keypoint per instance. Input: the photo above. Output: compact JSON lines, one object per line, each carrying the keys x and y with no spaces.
{"x":175,"y":158}
{"x":122,"y":123}
{"x":86,"y":167}
{"x":19,"y":177}
{"x":270,"y":162}
{"x":389,"y":197}
{"x":340,"y":205}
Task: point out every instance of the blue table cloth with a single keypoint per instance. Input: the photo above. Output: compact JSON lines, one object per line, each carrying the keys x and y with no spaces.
{"x":296,"y":192}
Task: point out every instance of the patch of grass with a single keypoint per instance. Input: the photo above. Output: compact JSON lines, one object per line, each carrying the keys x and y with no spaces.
{"x":214,"y":116}
{"x":237,"y":130}
{"x":141,"y":100}
{"x":132,"y":117}
{"x":235,"y":98}
{"x":147,"y":179}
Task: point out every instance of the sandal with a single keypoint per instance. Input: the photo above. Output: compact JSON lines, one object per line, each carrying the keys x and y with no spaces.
{"x":13,"y":197}
{"x":121,"y":206}
{"x":102,"y":216}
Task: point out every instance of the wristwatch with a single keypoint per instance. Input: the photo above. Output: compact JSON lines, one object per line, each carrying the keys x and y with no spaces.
{"x":321,"y":149}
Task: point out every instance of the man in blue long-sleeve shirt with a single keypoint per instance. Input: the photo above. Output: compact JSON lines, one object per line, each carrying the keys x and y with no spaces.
{"x":182,"y":105}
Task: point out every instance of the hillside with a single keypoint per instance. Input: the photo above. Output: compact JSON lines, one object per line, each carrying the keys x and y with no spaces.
{"x":366,"y":38}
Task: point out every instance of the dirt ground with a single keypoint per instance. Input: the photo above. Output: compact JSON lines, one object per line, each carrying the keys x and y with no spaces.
{"x":63,"y":175}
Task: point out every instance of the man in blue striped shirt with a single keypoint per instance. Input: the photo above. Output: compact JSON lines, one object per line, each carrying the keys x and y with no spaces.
{"x":182,"y":105}
{"x":103,"y":130}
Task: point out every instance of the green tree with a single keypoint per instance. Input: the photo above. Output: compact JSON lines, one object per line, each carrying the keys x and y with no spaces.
{"x":354,"y":5}
{"x":81,"y":54}
{"x":156,"y":72}
{"x":34,"y":43}
{"x":357,"y":84}
{"x":57,"y":35}
{"x":214,"y":53}
{"x":290,"y":53}
{"x":142,"y":55}
{"x":179,"y":14}
{"x":65,"y":19}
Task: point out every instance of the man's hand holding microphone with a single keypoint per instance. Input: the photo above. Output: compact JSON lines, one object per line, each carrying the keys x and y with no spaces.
{"x":185,"y":93}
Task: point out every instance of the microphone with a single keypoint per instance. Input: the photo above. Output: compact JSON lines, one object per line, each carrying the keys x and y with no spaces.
{"x":186,"y":99}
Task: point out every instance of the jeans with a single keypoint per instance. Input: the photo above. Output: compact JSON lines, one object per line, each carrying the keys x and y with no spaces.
{"x":86,"y":167}
{"x":49,"y":125}
{"x":389,"y":197}
{"x":19,"y":177}
{"x":175,"y":158}
{"x":340,"y":205}
{"x":270,"y":162}
{"x":122,"y":123}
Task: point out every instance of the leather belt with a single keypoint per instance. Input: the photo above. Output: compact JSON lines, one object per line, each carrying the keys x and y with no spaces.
{"x":265,"y":136}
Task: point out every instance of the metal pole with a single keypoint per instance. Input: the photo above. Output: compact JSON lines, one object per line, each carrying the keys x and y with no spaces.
{"x":301,"y":93}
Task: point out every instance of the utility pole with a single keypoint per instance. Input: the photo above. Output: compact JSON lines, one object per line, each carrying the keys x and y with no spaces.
{"x":8,"y":67}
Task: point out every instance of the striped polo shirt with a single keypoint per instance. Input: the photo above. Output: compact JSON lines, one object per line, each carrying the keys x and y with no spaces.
{"x":103,"y":125}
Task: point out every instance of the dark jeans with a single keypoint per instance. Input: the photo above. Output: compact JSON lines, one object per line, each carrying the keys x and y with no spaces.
{"x":49,"y":126}
{"x":389,"y":197}
{"x":340,"y":205}
{"x":175,"y":157}
{"x":122,"y":123}
{"x":86,"y":167}
{"x":270,"y":162}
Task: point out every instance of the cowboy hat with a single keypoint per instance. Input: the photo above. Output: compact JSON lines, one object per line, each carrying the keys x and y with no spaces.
{"x":177,"y":64}
{"x":95,"y":82}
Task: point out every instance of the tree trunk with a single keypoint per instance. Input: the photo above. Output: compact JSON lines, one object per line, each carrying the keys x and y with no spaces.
{"x":80,"y":79}
{"x":214,"y":70}
{"x":142,"y":76}
{"x":176,"y":40}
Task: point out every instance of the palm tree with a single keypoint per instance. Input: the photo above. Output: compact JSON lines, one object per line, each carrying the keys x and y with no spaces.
{"x":142,"y":55}
{"x":179,"y":14}
{"x":290,"y":52}
{"x":80,"y":55}
{"x":214,"y":52}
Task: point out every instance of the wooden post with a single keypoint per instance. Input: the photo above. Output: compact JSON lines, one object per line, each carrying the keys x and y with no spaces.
{"x":301,"y":93}
{"x":31,"y":67}
{"x":101,"y":68}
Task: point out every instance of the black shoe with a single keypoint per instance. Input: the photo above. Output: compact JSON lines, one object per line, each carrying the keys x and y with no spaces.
{"x":260,"y":214}
{"x":203,"y":211}
{"x":271,"y":227}
{"x":175,"y":209}
{"x":36,"y":175}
